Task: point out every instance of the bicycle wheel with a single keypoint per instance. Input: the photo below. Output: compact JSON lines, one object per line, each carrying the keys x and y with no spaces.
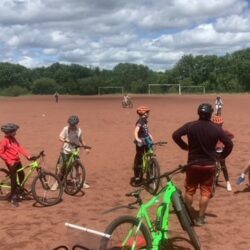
{"x":153,"y":172}
{"x":5,"y":186}
{"x":43,"y":189}
{"x":74,"y":180}
{"x":185,"y":218}
{"x":124,"y":233}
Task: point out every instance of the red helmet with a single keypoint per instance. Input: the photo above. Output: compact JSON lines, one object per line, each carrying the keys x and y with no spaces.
{"x":142,"y":110}
{"x":218,"y":119}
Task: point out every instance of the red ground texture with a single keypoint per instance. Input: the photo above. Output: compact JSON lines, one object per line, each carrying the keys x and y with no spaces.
{"x":108,"y":128}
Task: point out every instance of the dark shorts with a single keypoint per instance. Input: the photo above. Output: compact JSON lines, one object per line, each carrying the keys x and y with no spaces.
{"x":200,"y":177}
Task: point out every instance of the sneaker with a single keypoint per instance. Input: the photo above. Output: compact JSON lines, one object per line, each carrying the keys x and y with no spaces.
{"x":229,"y":188}
{"x":54,"y":186}
{"x":240,"y":180}
{"x":199,"y":221}
{"x":14,"y":202}
{"x":86,"y":185}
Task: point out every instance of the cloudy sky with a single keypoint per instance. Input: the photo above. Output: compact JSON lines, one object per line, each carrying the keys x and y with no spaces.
{"x":103,"y":33}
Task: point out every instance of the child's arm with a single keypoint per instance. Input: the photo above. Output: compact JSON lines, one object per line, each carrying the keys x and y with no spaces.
{"x":2,"y":150}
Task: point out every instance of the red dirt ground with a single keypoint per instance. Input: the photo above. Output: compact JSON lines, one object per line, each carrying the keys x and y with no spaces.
{"x":109,"y":130}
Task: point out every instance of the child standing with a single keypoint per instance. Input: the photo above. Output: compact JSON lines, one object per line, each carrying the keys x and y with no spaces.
{"x":218,"y":105}
{"x":70,"y":135}
{"x":142,"y":139}
{"x":9,"y":152}
{"x":218,"y":119}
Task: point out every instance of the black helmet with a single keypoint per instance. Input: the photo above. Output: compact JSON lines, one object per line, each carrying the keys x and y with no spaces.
{"x":205,"y":111}
{"x":73,"y":120}
{"x":9,"y":128}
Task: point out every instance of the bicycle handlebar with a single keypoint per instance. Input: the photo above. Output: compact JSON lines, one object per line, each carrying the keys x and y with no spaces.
{"x":79,"y":146}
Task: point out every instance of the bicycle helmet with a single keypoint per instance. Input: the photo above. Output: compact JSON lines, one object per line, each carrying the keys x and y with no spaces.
{"x":9,"y":128}
{"x":218,"y":119}
{"x":142,"y":110}
{"x":73,"y":120}
{"x":205,"y":111}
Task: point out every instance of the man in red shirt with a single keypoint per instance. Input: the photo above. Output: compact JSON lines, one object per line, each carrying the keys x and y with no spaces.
{"x":9,"y":152}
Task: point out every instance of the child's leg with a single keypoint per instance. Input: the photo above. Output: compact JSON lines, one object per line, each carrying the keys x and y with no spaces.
{"x":21,"y":174}
{"x":224,"y":170}
{"x":13,"y":175}
{"x":138,"y":161}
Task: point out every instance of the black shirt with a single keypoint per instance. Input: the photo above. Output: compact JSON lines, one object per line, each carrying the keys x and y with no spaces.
{"x":202,"y":136}
{"x":143,"y":132}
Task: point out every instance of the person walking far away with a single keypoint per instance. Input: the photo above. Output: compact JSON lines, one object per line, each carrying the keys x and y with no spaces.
{"x":142,"y":139}
{"x":242,"y":177}
{"x":126,"y":99}
{"x":9,"y":152}
{"x":218,"y":119}
{"x":70,"y":135}
{"x":56,"y":95}
{"x":202,"y":137}
{"x":218,"y":105}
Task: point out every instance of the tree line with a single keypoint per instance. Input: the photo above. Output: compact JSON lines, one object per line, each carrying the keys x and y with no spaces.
{"x":229,"y":73}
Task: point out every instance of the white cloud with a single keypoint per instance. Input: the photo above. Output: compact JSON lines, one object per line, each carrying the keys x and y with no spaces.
{"x":105,"y":33}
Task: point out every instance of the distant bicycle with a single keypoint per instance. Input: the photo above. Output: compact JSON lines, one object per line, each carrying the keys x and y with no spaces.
{"x":127,"y":104}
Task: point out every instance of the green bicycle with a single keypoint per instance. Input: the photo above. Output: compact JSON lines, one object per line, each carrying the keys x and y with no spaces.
{"x":128,"y":232}
{"x":73,"y":174}
{"x":150,"y":168}
{"x":41,"y":185}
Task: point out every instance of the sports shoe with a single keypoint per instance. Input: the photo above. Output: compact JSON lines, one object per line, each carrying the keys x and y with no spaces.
{"x":86,"y":185}
{"x":229,"y":188}
{"x":240,"y":180}
{"x":54,"y":186}
{"x":14,"y":202}
{"x":199,"y":221}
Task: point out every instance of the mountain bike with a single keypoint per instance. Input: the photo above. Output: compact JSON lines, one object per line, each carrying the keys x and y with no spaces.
{"x":73,"y":174}
{"x":128,"y":104}
{"x":41,"y":185}
{"x":150,"y":169}
{"x":144,"y":232}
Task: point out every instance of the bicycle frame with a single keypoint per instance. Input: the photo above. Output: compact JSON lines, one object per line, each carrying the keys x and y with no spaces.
{"x":32,"y":167}
{"x":146,"y":159}
{"x":73,"y":156}
{"x":159,"y":230}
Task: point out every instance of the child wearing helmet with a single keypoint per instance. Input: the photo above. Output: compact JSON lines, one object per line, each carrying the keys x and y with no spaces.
{"x":70,"y":135}
{"x":218,"y":119}
{"x":218,"y":105}
{"x":9,"y":152}
{"x":142,"y":139}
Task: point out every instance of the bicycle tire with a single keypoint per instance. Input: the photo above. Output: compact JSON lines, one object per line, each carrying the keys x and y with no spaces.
{"x":74,"y":180}
{"x":42,"y":190}
{"x":153,"y":172}
{"x":185,"y":219}
{"x":5,"y":186}
{"x":115,"y":229}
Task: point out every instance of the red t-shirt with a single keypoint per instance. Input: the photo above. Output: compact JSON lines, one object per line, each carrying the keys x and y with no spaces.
{"x":10,"y":149}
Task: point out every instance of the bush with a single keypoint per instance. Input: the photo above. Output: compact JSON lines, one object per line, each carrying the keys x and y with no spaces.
{"x":14,"y":91}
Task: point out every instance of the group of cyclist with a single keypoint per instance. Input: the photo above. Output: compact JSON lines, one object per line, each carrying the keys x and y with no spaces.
{"x":207,"y":142}
{"x":10,"y":149}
